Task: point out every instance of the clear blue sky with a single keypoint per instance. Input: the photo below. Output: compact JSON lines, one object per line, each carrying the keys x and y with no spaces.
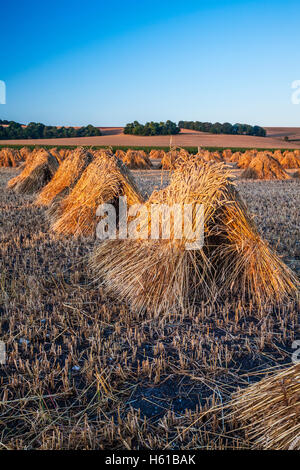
{"x":109,"y":63}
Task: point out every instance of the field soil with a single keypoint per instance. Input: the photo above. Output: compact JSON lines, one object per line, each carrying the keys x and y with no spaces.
{"x":83,"y":372}
{"x":186,"y":138}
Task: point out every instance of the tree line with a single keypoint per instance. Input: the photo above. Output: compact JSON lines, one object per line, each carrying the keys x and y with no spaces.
{"x":169,"y":127}
{"x":226,"y":128}
{"x":152,"y":128}
{"x":36,"y":130}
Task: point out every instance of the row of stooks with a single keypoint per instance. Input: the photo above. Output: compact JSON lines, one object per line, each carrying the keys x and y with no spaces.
{"x":257,"y":165}
{"x":160,"y":276}
{"x":234,"y":258}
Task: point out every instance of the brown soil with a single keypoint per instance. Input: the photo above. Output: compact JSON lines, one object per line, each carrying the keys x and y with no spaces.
{"x":187,"y":138}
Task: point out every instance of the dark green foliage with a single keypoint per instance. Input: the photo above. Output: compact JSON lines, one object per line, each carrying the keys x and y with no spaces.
{"x":36,"y":130}
{"x":226,"y":128}
{"x":152,"y":128}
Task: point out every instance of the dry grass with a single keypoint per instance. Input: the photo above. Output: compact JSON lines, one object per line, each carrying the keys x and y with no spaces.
{"x":216,"y":157}
{"x":205,"y":155}
{"x":245,"y":160}
{"x":29,"y":157}
{"x":9,"y":157}
{"x":278,"y":155}
{"x":25,"y":152}
{"x":171,"y":158}
{"x":108,"y":152}
{"x":64,"y":180}
{"x":40,"y":167}
{"x":57,"y":154}
{"x":104,"y":180}
{"x":137,"y":159}
{"x":157,"y":154}
{"x":235,"y":157}
{"x":265,"y":167}
{"x":290,"y":161}
{"x":120,"y":154}
{"x":161,"y":275}
{"x":247,"y":157}
{"x":270,"y":410}
{"x":227,"y":154}
{"x":64,"y":153}
{"x":83,"y":373}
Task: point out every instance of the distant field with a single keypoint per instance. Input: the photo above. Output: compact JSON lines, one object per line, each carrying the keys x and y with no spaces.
{"x":187,"y":138}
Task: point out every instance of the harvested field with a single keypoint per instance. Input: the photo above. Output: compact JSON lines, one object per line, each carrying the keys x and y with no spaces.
{"x":186,"y":138}
{"x":83,"y":373}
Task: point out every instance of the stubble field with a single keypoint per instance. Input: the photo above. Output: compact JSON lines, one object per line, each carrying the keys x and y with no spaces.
{"x":83,"y":372}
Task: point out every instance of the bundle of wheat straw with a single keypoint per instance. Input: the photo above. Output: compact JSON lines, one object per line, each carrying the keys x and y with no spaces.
{"x":174,"y":157}
{"x":227,"y":154}
{"x":38,"y":171}
{"x":161,"y":275}
{"x":169,"y":159}
{"x":263,"y":166}
{"x":235,"y":157}
{"x":108,"y":151}
{"x":104,"y":180}
{"x":205,"y":155}
{"x":56,"y":154}
{"x":270,"y":410}
{"x":120,"y":154}
{"x":29,"y":158}
{"x":64,"y":180}
{"x":245,"y":160}
{"x":64,"y":153}
{"x":278,"y":155}
{"x":290,"y":161}
{"x":156,"y":154}
{"x":137,"y":159}
{"x":25,"y":152}
{"x":216,"y":157}
{"x":9,"y":157}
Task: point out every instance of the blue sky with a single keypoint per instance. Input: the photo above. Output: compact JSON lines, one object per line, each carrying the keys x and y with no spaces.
{"x":109,"y":63}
